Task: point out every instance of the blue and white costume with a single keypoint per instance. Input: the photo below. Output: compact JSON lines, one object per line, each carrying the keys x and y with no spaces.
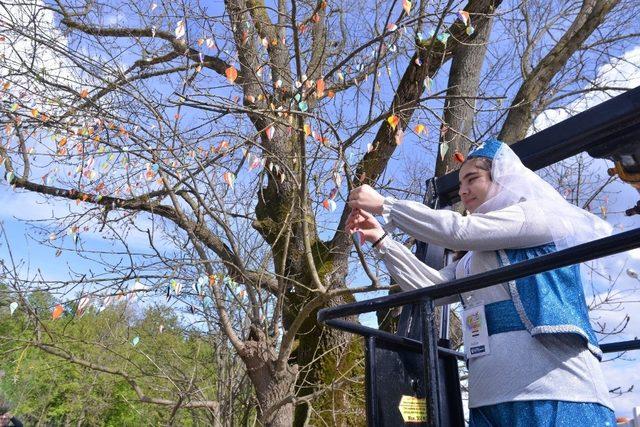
{"x":543,"y":367}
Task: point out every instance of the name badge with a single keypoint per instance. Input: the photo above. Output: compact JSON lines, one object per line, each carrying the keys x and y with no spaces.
{"x":474,"y":332}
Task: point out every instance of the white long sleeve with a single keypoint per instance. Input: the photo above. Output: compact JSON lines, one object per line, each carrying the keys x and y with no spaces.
{"x":410,"y":272}
{"x":517,"y":226}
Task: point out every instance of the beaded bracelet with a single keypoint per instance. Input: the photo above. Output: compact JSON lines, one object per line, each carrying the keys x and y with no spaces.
{"x":380,"y":239}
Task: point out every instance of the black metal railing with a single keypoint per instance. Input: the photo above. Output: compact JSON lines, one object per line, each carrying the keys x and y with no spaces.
{"x":426,"y":298}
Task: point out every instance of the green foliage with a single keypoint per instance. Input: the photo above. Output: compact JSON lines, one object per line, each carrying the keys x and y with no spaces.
{"x":45,"y":388}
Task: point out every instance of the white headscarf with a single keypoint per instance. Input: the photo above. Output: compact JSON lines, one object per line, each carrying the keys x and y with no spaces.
{"x":512,"y":183}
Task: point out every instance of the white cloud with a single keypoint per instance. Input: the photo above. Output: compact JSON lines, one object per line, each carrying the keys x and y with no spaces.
{"x":625,"y":372}
{"x":32,"y":42}
{"x":622,"y":72}
{"x":634,"y":253}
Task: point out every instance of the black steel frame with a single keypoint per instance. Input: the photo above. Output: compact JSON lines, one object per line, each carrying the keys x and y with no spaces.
{"x":605,"y":128}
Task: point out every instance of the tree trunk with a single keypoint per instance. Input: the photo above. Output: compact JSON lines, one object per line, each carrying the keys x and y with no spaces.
{"x":536,"y":83}
{"x":328,"y":355}
{"x":459,"y":109}
{"x":274,"y":389}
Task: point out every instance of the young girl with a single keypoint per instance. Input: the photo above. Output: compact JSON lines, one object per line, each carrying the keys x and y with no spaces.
{"x":533,"y":356}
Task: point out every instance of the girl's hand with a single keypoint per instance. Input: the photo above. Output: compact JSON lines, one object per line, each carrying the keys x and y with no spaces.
{"x":367,"y":199}
{"x":365,"y":223}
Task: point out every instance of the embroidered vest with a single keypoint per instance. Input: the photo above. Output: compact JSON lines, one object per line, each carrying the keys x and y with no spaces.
{"x":546,"y":303}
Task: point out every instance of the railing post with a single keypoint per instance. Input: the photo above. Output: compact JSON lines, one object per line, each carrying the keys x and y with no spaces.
{"x":430,"y":356}
{"x":370,"y":381}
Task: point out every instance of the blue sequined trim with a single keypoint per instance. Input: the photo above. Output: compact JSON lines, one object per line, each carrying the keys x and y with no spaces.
{"x":502,"y":317}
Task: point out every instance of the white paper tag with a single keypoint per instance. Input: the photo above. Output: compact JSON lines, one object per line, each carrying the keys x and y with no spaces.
{"x":474,"y":332}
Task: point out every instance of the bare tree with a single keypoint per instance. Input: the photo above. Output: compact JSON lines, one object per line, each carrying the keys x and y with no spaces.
{"x":224,"y":133}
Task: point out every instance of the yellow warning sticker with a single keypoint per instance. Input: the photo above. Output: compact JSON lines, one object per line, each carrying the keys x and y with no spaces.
{"x":413,"y":409}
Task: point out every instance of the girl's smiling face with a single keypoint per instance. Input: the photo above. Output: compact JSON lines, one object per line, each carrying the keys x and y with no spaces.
{"x":475,"y":182}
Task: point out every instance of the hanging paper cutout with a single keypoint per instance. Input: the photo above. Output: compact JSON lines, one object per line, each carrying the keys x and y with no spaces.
{"x":231,"y":73}
{"x":427,"y":84}
{"x":200,"y":286}
{"x":444,"y":128}
{"x":257,"y":162}
{"x":329,"y":205}
{"x":84,"y":93}
{"x":135,"y":341}
{"x":303,"y":106}
{"x":307,"y":129}
{"x":399,"y":136}
{"x":406,"y":5}
{"x":603,"y":211}
{"x":270,"y":132}
{"x":320,"y":87}
{"x":333,"y":193}
{"x":180,"y":29}
{"x":82,"y":305}
{"x":229,"y":178}
{"x":419,"y":129}
{"x":444,"y":147}
{"x":392,"y":27}
{"x":443,"y":37}
{"x":176,"y":286}
{"x":470,"y":30}
{"x":393,"y":121}
{"x":57,"y":311}
{"x":337,"y":178}
{"x":464,"y":17}
{"x":12,"y":307}
{"x":210,"y":43}
{"x":458,"y":157}
{"x":153,"y":7}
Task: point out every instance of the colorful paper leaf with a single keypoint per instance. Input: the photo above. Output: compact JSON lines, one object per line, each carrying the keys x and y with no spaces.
{"x":180,"y":29}
{"x":231,"y":73}
{"x":406,"y":5}
{"x":444,"y":147}
{"x":270,"y":132}
{"x":229,"y":178}
{"x":393,"y":121}
{"x":57,"y":311}
{"x":464,"y":17}
{"x":320,"y":87}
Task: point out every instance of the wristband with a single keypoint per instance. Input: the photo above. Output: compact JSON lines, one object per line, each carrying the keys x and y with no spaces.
{"x":377,"y":242}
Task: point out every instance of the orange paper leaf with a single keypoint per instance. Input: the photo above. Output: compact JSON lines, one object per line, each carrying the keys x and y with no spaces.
{"x":320,"y":87}
{"x":231,"y":73}
{"x":57,"y":311}
{"x":84,"y":93}
{"x":458,"y":157}
{"x":393,"y":121}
